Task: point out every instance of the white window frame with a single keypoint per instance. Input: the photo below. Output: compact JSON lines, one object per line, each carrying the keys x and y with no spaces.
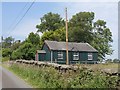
{"x":90,"y":56}
{"x":76,"y":56}
{"x":60,"y":55}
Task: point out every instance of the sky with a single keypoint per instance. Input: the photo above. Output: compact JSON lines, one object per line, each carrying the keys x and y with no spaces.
{"x":12,"y":12}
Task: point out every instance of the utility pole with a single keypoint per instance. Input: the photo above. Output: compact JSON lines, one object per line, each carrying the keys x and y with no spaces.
{"x":67,"y":60}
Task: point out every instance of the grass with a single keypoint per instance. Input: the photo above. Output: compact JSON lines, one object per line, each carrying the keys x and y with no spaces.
{"x":48,"y":77}
{"x":97,"y":67}
{"x":4,"y":59}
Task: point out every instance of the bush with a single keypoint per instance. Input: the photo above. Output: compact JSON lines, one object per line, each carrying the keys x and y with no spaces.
{"x":6,"y":52}
{"x":48,"y":77}
{"x":5,"y":59}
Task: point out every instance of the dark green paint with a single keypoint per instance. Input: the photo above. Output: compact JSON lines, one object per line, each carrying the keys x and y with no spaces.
{"x":48,"y":54}
{"x":41,"y":56}
{"x":83,"y":56}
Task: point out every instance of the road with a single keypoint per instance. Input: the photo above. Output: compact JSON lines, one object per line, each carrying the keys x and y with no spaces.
{"x":10,"y":80}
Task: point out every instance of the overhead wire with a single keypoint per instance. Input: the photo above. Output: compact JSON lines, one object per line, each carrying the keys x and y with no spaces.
{"x":21,"y":18}
{"x":17,"y":16}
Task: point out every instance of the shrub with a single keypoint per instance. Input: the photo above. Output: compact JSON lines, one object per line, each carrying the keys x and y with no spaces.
{"x":5,"y":59}
{"x":48,"y":77}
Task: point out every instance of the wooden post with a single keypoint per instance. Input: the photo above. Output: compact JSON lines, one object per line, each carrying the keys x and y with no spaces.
{"x":67,"y":61}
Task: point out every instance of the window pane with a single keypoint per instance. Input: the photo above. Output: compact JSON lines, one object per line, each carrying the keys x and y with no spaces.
{"x":60,"y":55}
{"x":75,"y":56}
{"x":90,"y":56}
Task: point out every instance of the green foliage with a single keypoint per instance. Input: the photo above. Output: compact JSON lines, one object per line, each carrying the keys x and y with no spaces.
{"x":57,"y":35}
{"x":5,"y":59}
{"x":8,"y":47}
{"x":109,"y":60}
{"x":50,"y":22}
{"x":17,"y":54}
{"x":7,"y":42}
{"x":116,"y":61}
{"x":6,"y":52}
{"x":83,"y":29}
{"x":48,"y":77}
{"x":15,"y":45}
{"x":102,"y":39}
{"x":24,"y":52}
{"x":34,"y":38}
{"x":80,"y":27}
{"x":28,"y":48}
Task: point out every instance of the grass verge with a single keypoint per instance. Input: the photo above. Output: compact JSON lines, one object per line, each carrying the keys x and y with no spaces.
{"x":48,"y":77}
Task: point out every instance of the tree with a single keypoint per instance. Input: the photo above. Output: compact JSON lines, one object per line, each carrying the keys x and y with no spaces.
{"x":80,"y":27}
{"x":60,"y":34}
{"x":109,"y":60}
{"x":57,"y":35}
{"x":27,"y":48}
{"x":83,"y":29}
{"x":116,"y":60}
{"x":50,"y":22}
{"x":6,"y":52}
{"x":7,"y":42}
{"x":33,"y":38}
{"x":102,"y":39}
{"x":25,"y":51}
{"x":16,"y":54}
{"x":16,"y":45}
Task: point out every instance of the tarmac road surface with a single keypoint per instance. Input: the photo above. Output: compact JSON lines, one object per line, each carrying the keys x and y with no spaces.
{"x":10,"y":80}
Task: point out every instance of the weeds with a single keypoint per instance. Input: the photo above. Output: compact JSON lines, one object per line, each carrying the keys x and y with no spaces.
{"x":48,"y":77}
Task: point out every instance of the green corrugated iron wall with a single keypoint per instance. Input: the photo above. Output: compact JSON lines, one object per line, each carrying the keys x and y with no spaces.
{"x":55,"y":57}
{"x":48,"y":53}
{"x":83,"y":56}
{"x":95,"y":57}
{"x":41,"y":56}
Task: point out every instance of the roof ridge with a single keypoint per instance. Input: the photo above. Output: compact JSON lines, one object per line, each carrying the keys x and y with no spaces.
{"x":64,"y":42}
{"x":50,"y":41}
{"x":56,"y":45}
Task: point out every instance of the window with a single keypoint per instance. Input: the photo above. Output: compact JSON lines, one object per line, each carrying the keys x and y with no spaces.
{"x":75,"y":56}
{"x":60,"y":55}
{"x":90,"y":57}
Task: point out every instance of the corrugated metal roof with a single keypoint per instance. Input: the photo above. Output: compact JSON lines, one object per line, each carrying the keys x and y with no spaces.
{"x":41,"y":51}
{"x":72,"y":46}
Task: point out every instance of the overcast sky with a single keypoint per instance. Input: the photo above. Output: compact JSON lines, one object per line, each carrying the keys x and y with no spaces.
{"x":107,"y":10}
